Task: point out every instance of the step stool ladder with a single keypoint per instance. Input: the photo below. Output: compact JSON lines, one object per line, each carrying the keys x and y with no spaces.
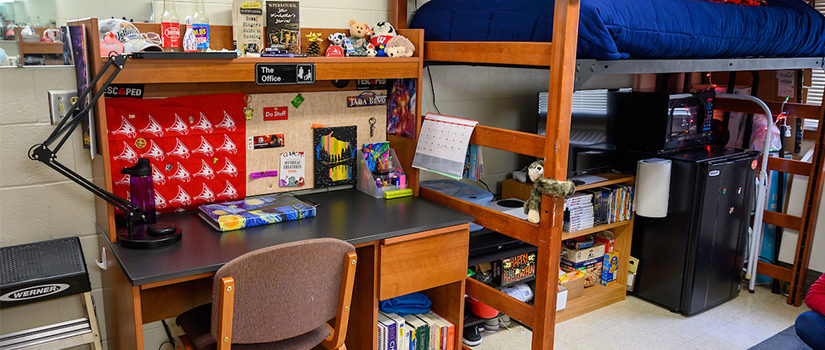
{"x":41,"y":271}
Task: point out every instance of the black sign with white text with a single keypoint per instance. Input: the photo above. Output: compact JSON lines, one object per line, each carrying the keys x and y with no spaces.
{"x":124,"y":90}
{"x":284,"y":73}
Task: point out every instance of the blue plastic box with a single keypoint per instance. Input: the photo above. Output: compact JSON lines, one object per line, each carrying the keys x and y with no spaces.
{"x":461,"y":191}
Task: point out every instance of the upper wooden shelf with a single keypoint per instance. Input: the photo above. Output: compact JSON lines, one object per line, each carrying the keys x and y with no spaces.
{"x":41,"y":48}
{"x":168,"y":71}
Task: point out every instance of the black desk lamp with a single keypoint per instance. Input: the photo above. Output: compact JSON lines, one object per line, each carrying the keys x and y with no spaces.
{"x":145,"y":236}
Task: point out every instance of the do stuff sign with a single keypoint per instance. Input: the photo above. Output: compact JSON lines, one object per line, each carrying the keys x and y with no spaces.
{"x":275,"y":113}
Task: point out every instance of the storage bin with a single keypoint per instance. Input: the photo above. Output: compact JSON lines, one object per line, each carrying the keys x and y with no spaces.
{"x":461,"y":191}
{"x":366,"y":180}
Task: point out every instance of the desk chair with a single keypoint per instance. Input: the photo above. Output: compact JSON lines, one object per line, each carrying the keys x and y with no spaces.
{"x":279,"y":297}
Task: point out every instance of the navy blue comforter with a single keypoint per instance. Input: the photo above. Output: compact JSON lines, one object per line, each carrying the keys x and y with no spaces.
{"x":615,"y":29}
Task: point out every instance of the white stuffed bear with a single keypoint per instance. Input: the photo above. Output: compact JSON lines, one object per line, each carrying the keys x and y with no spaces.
{"x":381,"y":33}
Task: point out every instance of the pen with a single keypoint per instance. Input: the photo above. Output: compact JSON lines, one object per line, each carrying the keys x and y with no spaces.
{"x":283,"y":55}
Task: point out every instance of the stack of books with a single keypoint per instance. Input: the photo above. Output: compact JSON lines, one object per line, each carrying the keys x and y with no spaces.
{"x":415,"y":332}
{"x":578,"y":212}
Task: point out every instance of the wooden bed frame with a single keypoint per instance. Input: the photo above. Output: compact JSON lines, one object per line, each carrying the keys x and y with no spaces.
{"x":560,"y":57}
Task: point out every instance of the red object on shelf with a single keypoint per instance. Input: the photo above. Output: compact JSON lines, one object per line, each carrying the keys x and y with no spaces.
{"x":481,"y":310}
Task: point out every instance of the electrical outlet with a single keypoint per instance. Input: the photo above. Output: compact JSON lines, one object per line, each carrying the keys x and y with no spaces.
{"x":60,"y":101}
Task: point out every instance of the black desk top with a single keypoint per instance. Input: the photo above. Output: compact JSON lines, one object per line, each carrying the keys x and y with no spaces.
{"x":348,"y":215}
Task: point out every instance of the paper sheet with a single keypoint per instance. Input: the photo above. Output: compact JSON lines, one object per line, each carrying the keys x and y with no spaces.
{"x":442,"y":144}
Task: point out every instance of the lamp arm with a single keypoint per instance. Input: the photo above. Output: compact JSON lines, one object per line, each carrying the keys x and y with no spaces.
{"x":78,"y":111}
{"x":42,"y":153}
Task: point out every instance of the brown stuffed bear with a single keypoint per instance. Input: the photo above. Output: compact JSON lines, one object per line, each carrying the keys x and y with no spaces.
{"x":358,"y":33}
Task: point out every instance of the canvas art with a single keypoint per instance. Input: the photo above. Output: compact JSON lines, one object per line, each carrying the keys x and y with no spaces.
{"x":335,"y":149}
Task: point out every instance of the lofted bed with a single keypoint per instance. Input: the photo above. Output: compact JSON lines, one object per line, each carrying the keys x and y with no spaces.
{"x":577,"y":40}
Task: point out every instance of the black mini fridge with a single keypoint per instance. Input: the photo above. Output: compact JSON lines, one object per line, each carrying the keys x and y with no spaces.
{"x":692,"y":259}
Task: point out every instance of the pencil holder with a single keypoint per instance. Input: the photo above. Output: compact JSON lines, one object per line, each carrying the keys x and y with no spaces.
{"x":375,"y":185}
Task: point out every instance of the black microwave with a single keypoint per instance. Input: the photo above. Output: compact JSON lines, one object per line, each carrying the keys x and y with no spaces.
{"x":658,"y":123}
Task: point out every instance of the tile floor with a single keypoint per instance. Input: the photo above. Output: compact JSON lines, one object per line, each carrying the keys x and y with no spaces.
{"x":636,"y":324}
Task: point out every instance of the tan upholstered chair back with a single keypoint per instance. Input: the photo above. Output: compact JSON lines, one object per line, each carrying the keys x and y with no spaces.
{"x":283,"y":291}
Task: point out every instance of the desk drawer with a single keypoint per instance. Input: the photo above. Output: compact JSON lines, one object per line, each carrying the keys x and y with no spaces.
{"x":422,"y":263}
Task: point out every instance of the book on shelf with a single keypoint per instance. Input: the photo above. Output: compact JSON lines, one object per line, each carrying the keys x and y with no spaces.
{"x":283,"y":26}
{"x":447,"y":331}
{"x":422,"y":331}
{"x":248,"y":25}
{"x":390,"y":339}
{"x":402,"y":332}
{"x":435,"y":331}
{"x":382,"y":336}
{"x":395,"y":330}
{"x":474,"y":163}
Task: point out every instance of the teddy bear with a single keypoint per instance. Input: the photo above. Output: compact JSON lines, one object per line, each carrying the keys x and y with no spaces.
{"x":542,"y":185}
{"x":358,"y":32}
{"x":382,"y":32}
{"x":399,"y":46}
{"x":336,"y":45}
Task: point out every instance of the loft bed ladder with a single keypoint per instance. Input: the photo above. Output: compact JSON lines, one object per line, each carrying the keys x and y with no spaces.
{"x":805,"y":224}
{"x":560,"y":57}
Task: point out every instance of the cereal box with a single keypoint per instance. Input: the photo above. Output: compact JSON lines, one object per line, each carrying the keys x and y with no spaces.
{"x":610,"y":268}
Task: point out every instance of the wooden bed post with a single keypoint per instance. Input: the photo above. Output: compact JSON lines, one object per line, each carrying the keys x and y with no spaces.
{"x":398,"y":14}
{"x":562,"y":76}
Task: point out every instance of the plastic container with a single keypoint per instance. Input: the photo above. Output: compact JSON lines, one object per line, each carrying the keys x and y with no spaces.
{"x":481,"y":310}
{"x":461,"y":191}
{"x":367,"y":181}
{"x":142,"y":189}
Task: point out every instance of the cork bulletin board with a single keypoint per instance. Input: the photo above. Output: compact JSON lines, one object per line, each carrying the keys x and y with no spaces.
{"x":325,"y":108}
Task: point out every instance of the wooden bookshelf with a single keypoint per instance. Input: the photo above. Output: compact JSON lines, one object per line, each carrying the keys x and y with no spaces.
{"x":597,"y":296}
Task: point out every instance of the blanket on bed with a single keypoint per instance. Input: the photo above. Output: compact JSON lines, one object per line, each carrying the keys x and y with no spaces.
{"x":615,"y":29}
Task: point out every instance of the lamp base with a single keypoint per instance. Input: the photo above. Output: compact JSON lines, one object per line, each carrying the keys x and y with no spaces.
{"x":147,"y":237}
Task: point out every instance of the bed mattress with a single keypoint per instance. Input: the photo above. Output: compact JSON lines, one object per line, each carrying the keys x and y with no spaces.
{"x":616,"y":29}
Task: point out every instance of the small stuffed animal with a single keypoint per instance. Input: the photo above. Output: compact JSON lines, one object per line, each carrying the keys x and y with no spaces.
{"x":336,"y":45}
{"x":382,"y":32}
{"x":541,"y":186}
{"x":399,"y":46}
{"x":358,"y":38}
{"x":371,"y":52}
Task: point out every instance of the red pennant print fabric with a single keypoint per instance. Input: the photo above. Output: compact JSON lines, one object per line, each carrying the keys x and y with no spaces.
{"x":194,"y":143}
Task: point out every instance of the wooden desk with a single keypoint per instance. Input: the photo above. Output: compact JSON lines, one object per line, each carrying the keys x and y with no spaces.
{"x":403,"y":245}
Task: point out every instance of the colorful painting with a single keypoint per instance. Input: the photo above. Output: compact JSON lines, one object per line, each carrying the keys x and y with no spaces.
{"x":335,"y":149}
{"x":401,"y":109}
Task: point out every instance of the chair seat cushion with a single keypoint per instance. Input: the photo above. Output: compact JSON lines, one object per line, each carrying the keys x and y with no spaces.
{"x":196,"y":322}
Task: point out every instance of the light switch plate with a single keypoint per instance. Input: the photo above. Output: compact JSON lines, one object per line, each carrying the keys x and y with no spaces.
{"x":59,"y":103}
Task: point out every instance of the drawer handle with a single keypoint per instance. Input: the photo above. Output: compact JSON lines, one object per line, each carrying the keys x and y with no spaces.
{"x":102,"y":264}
